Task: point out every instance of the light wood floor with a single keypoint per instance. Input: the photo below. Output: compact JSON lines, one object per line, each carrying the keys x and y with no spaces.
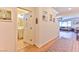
{"x":33,"y":48}
{"x":65,"y":43}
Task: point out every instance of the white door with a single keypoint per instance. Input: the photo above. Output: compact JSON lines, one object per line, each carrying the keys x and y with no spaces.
{"x":28,"y":32}
{"x":24,"y":27}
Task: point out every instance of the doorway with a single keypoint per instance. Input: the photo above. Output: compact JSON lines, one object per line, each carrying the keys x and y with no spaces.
{"x":65,"y":27}
{"x":22,"y":26}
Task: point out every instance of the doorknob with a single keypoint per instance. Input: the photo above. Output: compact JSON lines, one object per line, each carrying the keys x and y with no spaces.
{"x":30,"y":27}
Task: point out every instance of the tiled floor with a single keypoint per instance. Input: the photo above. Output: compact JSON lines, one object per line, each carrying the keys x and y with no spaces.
{"x":65,"y":43}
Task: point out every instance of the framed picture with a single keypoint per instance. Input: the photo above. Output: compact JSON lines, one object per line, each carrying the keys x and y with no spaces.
{"x":50,"y":17}
{"x":1,"y":12}
{"x":53,"y":19}
{"x":5,"y":15}
{"x":44,"y":16}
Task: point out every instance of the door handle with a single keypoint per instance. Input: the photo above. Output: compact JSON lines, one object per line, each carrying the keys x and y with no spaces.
{"x":31,"y":28}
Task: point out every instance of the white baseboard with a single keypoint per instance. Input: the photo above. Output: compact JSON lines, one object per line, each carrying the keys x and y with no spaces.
{"x":39,"y":46}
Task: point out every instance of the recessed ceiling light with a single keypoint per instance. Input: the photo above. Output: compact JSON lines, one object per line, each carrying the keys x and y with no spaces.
{"x":69,"y":9}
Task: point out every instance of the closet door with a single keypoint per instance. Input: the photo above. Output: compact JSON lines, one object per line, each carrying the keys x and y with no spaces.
{"x":28,"y":31}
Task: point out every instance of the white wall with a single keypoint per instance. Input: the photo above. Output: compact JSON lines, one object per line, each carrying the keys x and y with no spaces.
{"x":8,"y":33}
{"x":45,"y":31}
{"x":41,"y":34}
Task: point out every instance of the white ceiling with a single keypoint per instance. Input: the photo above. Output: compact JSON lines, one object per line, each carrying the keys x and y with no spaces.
{"x":64,"y":11}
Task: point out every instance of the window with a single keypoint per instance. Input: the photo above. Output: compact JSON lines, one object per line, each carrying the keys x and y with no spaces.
{"x":65,"y":24}
{"x":60,"y":24}
{"x":69,"y":23}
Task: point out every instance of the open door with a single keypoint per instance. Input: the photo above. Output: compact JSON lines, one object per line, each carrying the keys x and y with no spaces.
{"x":24,"y":27}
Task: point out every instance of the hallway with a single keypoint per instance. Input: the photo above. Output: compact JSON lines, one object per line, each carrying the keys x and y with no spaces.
{"x":66,"y":43}
{"x":38,"y":28}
